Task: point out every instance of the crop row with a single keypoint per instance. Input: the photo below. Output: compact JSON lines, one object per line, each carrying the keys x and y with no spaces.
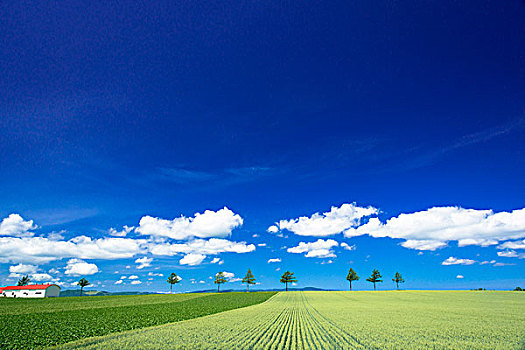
{"x":16,"y":306}
{"x":342,"y":320}
{"x":36,"y":330}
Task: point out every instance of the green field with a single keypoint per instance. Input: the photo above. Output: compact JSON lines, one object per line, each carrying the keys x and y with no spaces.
{"x":344,"y":320}
{"x":36,"y":323}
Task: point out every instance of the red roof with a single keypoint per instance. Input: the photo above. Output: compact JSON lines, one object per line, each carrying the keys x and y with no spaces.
{"x":29,"y":286}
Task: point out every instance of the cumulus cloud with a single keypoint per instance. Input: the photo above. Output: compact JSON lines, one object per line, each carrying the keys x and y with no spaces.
{"x":15,"y":225}
{"x":143,"y":262}
{"x":20,"y":270}
{"x":43,"y":250}
{"x":228,"y":275}
{"x":202,"y":225}
{"x":122,"y":233}
{"x":455,"y":261}
{"x":273,"y":229}
{"x":274,"y":260}
{"x":133,"y":277}
{"x":460,"y":277}
{"x":508,"y":254}
{"x":318,"y":249}
{"x":511,"y":254}
{"x":326,"y":224}
{"x":433,"y":228}
{"x":136,"y":282}
{"x":77,"y":267}
{"x":513,"y":245}
{"x":119,"y":282}
{"x":217,"y":261}
{"x":23,"y":269}
{"x":39,"y":277}
{"x":201,"y":247}
{"x":155,"y":274}
{"x":192,"y":259}
{"x":346,"y":246}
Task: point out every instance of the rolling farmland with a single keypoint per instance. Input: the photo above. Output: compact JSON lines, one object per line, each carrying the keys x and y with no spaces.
{"x":36,"y":323}
{"x":343,"y":320}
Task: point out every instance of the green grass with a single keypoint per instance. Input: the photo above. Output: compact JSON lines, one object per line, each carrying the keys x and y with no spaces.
{"x":16,"y":306}
{"x":344,"y":320}
{"x":32,"y":324}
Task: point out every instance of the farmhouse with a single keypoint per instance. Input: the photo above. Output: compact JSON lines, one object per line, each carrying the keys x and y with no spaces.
{"x":30,"y":291}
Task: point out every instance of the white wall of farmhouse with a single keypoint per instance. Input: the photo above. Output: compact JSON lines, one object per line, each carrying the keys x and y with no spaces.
{"x":50,"y":291}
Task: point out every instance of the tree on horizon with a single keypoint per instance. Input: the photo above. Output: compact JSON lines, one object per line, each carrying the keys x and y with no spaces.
{"x":24,"y":281}
{"x":219,"y":279}
{"x":83,"y":283}
{"x":248,"y":279}
{"x":375,"y":278}
{"x":288,"y":277}
{"x":352,"y":276}
{"x":398,"y":279}
{"x":173,"y":279}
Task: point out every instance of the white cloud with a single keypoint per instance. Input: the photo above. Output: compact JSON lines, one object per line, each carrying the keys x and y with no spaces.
{"x":513,"y":245}
{"x":255,"y":235}
{"x":119,"y":282}
{"x":347,"y":247}
{"x":455,"y":261}
{"x":122,"y":233}
{"x":330,"y":223}
{"x":192,"y":259}
{"x":133,"y":277}
{"x":208,"y":224}
{"x":123,"y":277}
{"x":274,"y":260}
{"x":433,"y":228}
{"x":143,"y":262}
{"x":460,"y":277}
{"x":423,"y":244}
{"x":39,"y":277}
{"x":23,"y":269}
{"x":15,"y":225}
{"x":508,"y":254}
{"x":200,"y":246}
{"x":43,"y":250}
{"x":487,"y":262}
{"x":227,"y":275}
{"x":273,"y":229}
{"x":318,"y":249}
{"x":261,"y":245}
{"x":77,"y":267}
{"x":155,"y":274}
{"x":136,"y":282}
{"x":217,"y":261}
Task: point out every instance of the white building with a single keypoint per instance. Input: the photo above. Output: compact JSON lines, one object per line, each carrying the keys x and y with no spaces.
{"x":30,"y":291}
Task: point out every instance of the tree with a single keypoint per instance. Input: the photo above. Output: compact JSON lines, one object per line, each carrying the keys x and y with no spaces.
{"x":24,"y":281}
{"x":352,"y":276}
{"x":83,"y":283}
{"x":173,"y":279}
{"x":248,"y":279}
{"x":288,"y":277}
{"x":398,"y":279}
{"x":375,"y":278}
{"x":219,"y":279}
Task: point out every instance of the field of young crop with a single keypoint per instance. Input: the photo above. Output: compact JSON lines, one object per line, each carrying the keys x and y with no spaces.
{"x":344,"y":320}
{"x":36,"y":323}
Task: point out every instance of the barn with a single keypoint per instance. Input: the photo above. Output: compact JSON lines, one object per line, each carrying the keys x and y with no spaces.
{"x":31,"y":291}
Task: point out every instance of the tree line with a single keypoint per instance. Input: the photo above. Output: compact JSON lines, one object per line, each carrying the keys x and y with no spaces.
{"x":289,"y":277}
{"x":249,"y":279}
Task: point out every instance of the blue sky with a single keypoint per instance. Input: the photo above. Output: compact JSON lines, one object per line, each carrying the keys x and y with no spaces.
{"x":401,"y":124}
